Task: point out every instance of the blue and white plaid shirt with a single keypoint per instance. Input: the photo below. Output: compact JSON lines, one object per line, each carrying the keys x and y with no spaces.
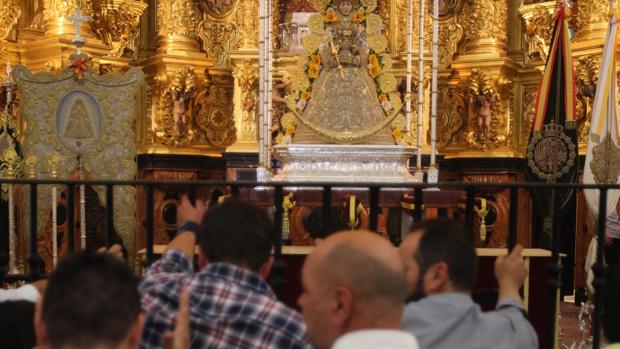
{"x":230,"y":307}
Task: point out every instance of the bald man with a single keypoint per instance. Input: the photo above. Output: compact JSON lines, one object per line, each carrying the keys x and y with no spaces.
{"x":354,"y":289}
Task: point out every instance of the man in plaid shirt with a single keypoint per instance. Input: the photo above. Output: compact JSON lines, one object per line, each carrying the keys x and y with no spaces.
{"x":231,"y":305}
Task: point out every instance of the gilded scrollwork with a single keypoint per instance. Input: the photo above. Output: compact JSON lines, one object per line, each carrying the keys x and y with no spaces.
{"x":246,"y":19}
{"x":116,"y":21}
{"x":451,"y":115}
{"x":528,"y":102}
{"x":177,"y":17}
{"x":486,"y":111}
{"x":218,"y":37}
{"x":247,"y":79}
{"x":538,"y":22}
{"x":486,"y":22}
{"x":587,"y":73}
{"x":9,"y":14}
{"x":213,"y":110}
{"x":589,"y":13}
{"x":54,"y":9}
{"x":194,"y":109}
{"x":176,"y":95}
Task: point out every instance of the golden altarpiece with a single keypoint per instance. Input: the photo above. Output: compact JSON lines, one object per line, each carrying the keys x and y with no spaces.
{"x":200,"y":58}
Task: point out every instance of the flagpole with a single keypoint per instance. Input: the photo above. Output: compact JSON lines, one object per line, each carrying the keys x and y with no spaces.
{"x":418,"y":172}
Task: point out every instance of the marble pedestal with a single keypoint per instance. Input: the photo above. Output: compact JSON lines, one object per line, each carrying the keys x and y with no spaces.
{"x":343,"y":163}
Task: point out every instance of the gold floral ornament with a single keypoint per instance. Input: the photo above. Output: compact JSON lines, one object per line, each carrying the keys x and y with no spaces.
{"x":288,"y":119}
{"x":374,"y":66}
{"x":387,"y":83}
{"x":377,"y":42}
{"x":312,"y":42}
{"x":358,"y":17}
{"x":330,"y":16}
{"x":370,"y":5}
{"x":373,"y":23}
{"x":387,"y":62}
{"x":396,"y":100}
{"x":316,"y":24}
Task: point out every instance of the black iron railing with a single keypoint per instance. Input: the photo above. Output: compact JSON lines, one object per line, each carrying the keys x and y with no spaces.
{"x":278,"y":189}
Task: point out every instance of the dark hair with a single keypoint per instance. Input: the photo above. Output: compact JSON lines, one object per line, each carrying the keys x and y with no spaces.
{"x":238,"y":233}
{"x":91,"y":299}
{"x":611,"y":314}
{"x":16,"y":325}
{"x":445,"y":240}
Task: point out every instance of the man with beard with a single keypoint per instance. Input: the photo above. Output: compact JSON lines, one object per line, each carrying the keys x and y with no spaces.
{"x":440,"y":260}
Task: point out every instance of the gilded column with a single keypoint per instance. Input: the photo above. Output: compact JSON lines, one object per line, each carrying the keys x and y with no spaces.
{"x":177,"y":22}
{"x":9,"y":14}
{"x":485,"y":22}
{"x":590,"y":19}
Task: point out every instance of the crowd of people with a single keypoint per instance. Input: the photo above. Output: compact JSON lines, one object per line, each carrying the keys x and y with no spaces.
{"x":358,"y":292}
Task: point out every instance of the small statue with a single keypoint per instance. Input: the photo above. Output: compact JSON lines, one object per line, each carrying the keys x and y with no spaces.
{"x":482,"y":104}
{"x":179,"y":112}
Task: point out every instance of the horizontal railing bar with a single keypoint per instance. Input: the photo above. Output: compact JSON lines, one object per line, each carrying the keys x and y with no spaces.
{"x":306,"y":185}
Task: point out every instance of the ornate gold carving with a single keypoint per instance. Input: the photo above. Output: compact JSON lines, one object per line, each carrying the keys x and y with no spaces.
{"x":451,"y":114}
{"x":486,"y":22}
{"x":55,"y":9}
{"x":246,"y":19}
{"x":194,"y":110}
{"x":538,"y":22}
{"x":587,"y":73}
{"x":590,"y":16}
{"x":486,"y":111}
{"x":528,"y":102}
{"x":247,"y":80}
{"x":177,"y":17}
{"x":116,"y":21}
{"x":9,"y":13}
{"x":214,"y":113}
{"x":450,"y":35}
{"x":173,"y":124}
{"x":218,"y":37}
{"x":218,"y":8}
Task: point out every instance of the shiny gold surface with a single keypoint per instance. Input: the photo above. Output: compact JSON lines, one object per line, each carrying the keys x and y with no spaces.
{"x":491,"y":53}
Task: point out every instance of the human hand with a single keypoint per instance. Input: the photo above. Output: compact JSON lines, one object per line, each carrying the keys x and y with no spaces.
{"x":188,"y":212}
{"x":179,"y":338}
{"x":608,"y":240}
{"x":115,"y":251}
{"x":510,"y":272}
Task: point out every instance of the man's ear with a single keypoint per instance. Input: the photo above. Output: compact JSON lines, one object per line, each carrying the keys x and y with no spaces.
{"x":265,"y":269}
{"x":135,"y":334}
{"x":437,"y":279}
{"x":342,"y":307}
{"x":39,"y":325}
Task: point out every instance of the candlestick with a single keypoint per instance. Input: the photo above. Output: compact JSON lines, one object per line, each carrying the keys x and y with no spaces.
{"x":433,"y":175}
{"x":409,"y":65}
{"x":419,"y":174}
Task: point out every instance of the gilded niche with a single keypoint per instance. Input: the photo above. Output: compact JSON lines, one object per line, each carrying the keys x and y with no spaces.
{"x":194,"y":110}
{"x":486,"y":111}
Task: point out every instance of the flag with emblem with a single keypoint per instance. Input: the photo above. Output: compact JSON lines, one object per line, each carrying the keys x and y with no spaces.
{"x":603,"y":157}
{"x":552,"y":150}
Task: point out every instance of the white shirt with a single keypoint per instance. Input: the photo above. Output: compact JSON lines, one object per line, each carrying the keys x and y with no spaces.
{"x":24,"y":293}
{"x":612,"y":225}
{"x":376,"y":339}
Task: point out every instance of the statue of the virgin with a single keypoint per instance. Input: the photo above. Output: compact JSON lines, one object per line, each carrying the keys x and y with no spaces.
{"x":347,"y":100}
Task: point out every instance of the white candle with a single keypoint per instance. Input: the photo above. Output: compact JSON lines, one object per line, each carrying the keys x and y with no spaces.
{"x":409,"y":65}
{"x":54,"y":228}
{"x":261,"y":88}
{"x":82,"y":208}
{"x":12,"y":236}
{"x":420,"y":87}
{"x":434,"y":83}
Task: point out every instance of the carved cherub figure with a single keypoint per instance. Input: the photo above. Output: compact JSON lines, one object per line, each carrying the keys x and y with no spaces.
{"x":482,"y":105}
{"x":179,"y":111}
